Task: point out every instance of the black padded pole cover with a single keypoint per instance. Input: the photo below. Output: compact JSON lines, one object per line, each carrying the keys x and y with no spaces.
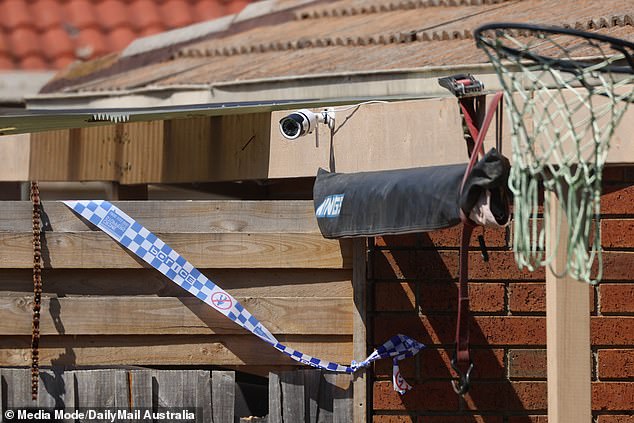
{"x":406,"y":200}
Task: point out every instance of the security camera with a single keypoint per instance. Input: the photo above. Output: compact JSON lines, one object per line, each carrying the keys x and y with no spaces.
{"x":303,"y":122}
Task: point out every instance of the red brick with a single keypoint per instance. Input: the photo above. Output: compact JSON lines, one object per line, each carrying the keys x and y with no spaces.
{"x":509,"y":331}
{"x":527,"y":297}
{"x":531,"y":298}
{"x":396,"y":419}
{"x":616,"y":419}
{"x":462,"y":419}
{"x":528,"y":419}
{"x":390,"y":296}
{"x":616,"y":298}
{"x":612,"y":330}
{"x":407,"y":367}
{"x":612,"y":396}
{"x":617,"y":265}
{"x":443,"y":265}
{"x":394,"y":264}
{"x":432,"y":396}
{"x":439,"y":396}
{"x":616,"y":364}
{"x":617,"y":233}
{"x":509,"y":396}
{"x":451,"y":238}
{"x":488,"y":363}
{"x":484,"y":297}
{"x":406,"y":240}
{"x":619,"y":202}
{"x":485,"y":330}
{"x":527,"y":364}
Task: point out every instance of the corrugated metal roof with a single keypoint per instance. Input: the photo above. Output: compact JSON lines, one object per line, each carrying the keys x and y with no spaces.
{"x":354,"y":36}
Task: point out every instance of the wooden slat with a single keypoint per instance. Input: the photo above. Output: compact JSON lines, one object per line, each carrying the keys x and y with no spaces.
{"x":339,"y":390}
{"x":359,"y":337}
{"x":230,"y":250}
{"x":140,"y":387}
{"x":76,"y":154}
{"x":568,"y":333}
{"x":224,"y":350}
{"x":56,"y":389}
{"x":175,"y":389}
{"x":149,"y":282}
{"x":312,"y":381}
{"x":223,"y":385}
{"x":275,"y":398}
{"x":169,"y":315}
{"x":203,"y":397}
{"x":141,"y":154}
{"x":15,"y":152}
{"x":293,"y":400}
{"x":102,"y":389}
{"x":293,"y":216}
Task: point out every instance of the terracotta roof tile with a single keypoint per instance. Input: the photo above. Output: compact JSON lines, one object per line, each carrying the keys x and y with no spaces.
{"x":234,"y":6}
{"x":112,"y":14}
{"x":15,"y":13}
{"x":91,"y":43}
{"x":120,"y":37}
{"x":349,"y":36}
{"x":53,"y":33}
{"x":46,"y":13}
{"x":55,"y":42}
{"x":4,"y":44}
{"x":176,"y":13}
{"x":6,"y":62}
{"x":33,"y":62}
{"x":82,"y":13}
{"x":145,"y":13}
{"x":211,"y":9}
{"x":24,"y":42}
{"x":64,"y":60}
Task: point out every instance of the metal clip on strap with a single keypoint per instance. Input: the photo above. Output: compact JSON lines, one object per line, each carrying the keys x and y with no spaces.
{"x":462,"y":385}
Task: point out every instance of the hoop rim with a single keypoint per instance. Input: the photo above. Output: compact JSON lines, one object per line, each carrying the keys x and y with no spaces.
{"x":618,"y":44}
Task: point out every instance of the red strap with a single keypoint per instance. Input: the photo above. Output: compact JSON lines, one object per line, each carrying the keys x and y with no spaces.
{"x":462,"y":360}
{"x":479,"y":135}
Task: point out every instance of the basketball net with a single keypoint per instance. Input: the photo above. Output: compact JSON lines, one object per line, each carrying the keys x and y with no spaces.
{"x":565,"y":92}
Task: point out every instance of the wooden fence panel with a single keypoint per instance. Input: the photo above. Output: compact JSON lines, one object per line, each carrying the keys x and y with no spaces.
{"x":170,"y":315}
{"x":305,"y":396}
{"x":223,"y":392}
{"x":295,"y":216}
{"x":101,"y":306}
{"x":310,"y":396}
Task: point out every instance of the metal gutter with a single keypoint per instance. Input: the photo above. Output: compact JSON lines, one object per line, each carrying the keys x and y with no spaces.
{"x":32,"y":120}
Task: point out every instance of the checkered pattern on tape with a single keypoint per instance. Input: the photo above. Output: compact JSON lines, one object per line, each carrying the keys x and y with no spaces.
{"x":162,"y":257}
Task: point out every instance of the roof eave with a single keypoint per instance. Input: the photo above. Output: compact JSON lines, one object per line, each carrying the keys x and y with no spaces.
{"x":418,"y":82}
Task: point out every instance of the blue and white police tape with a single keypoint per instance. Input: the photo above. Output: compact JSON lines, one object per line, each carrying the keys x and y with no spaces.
{"x":159,"y":255}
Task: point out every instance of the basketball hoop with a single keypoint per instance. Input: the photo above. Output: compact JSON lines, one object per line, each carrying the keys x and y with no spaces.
{"x":566,"y":91}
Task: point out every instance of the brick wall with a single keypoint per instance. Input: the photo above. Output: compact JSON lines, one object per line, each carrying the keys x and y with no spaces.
{"x":413,"y":285}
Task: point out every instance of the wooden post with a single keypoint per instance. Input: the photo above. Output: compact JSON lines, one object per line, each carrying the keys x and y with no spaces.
{"x":568,"y":335}
{"x":359,"y":282}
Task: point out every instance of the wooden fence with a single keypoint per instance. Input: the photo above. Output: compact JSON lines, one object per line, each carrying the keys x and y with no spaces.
{"x":309,"y":396}
{"x":101,"y":306}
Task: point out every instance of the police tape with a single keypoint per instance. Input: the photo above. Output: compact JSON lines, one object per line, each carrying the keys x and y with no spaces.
{"x":147,"y":246}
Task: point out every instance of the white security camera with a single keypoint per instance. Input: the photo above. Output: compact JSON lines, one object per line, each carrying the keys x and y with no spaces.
{"x":302,"y":122}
